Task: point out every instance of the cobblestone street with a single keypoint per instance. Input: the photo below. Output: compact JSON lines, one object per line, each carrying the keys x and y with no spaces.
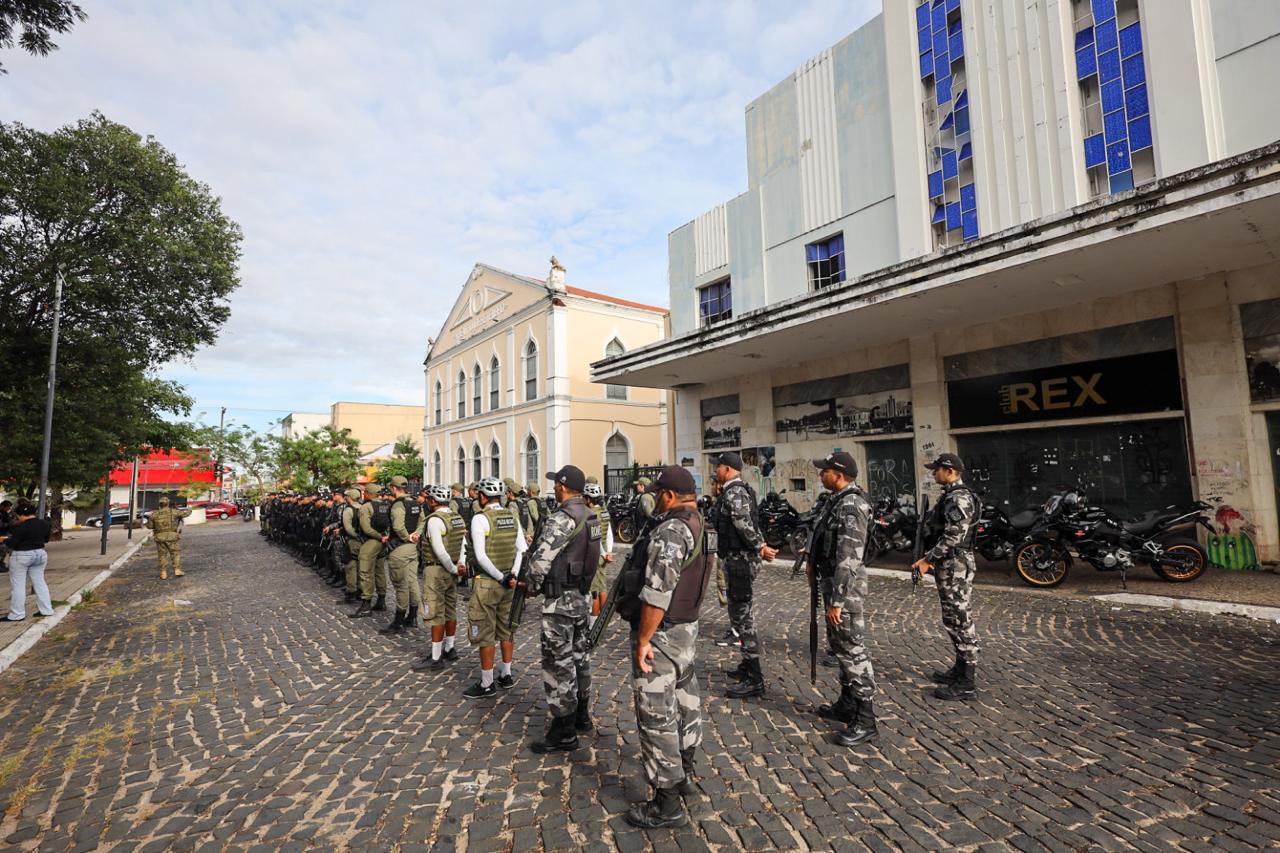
{"x":259,"y":716}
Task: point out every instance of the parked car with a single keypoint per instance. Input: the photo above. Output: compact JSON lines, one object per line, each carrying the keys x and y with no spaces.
{"x":219,"y":510}
{"x":119,"y":515}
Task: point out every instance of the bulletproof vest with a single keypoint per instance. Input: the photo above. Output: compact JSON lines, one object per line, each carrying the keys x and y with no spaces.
{"x":381,"y":520}
{"x":464,"y":508}
{"x":455,"y":531}
{"x":521,"y":506}
{"x":695,"y":572}
{"x":936,"y":521}
{"x":730,"y":539}
{"x":412,"y":513}
{"x":500,"y":543}
{"x":827,"y":535}
{"x":349,"y":518}
{"x":638,"y":515}
{"x":575,"y":566}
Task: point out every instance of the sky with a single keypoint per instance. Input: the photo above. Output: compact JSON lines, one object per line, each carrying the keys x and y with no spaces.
{"x":374,"y":152}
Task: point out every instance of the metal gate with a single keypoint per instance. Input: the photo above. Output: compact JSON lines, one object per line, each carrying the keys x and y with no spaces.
{"x":618,"y":481}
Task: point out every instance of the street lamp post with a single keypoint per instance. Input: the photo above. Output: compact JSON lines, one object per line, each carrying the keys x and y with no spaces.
{"x":48,"y":401}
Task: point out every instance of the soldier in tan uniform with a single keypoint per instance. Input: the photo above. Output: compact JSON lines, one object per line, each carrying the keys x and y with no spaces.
{"x":441,"y":536}
{"x":371,"y":542}
{"x":497,"y":548}
{"x":165,"y":524}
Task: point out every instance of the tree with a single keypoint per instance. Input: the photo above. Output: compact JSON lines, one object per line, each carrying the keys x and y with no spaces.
{"x":322,"y":457}
{"x":38,"y":19}
{"x":239,"y":447}
{"x":405,"y":462}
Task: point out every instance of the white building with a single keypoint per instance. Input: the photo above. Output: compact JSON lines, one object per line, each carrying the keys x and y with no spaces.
{"x":298,"y":424}
{"x":1048,"y":231}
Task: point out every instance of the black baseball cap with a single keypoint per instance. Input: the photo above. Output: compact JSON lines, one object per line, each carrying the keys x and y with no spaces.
{"x":840,"y":461}
{"x":946,"y":460}
{"x":570,"y":476}
{"x":675,"y":478}
{"x":733,"y":460}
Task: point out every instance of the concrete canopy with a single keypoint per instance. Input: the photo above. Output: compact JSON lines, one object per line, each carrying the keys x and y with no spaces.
{"x":1222,"y":217}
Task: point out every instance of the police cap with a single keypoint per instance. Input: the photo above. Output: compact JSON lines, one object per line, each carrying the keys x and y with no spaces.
{"x":677,"y":479}
{"x":840,"y":461}
{"x":571,"y":477}
{"x":946,"y":460}
{"x":731,"y":459}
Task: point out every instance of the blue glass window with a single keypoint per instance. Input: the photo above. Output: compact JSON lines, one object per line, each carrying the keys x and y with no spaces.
{"x":1104,"y":10}
{"x":962,"y":99}
{"x":1131,"y":40}
{"x":939,"y":214}
{"x":1084,"y":37}
{"x":949,"y":167}
{"x":1122,"y":182}
{"x":948,"y":121}
{"x":1114,"y":127}
{"x":966,"y":151}
{"x":944,"y":89}
{"x":925,"y":39}
{"x":935,"y":184}
{"x":922,"y":16}
{"x":926,"y":64}
{"x":962,"y":121}
{"x":1140,"y":133}
{"x":1095,"y":151}
{"x":1135,"y":102}
{"x":1107,"y":37}
{"x":953,"y":5}
{"x":1134,"y":71}
{"x":968,"y":197}
{"x":955,"y":45}
{"x":715,"y":302}
{"x":1109,"y":66}
{"x":939,"y":42}
{"x":1118,"y":157}
{"x":1112,"y":96}
{"x":953,"y":216}
{"x":939,"y":21}
{"x":969,"y":224}
{"x":826,"y":261}
{"x":1086,"y":63}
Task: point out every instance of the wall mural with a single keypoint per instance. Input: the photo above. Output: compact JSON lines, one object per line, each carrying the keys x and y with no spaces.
{"x":721,"y":422}
{"x":869,"y":403}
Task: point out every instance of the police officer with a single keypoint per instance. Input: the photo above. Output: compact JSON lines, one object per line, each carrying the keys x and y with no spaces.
{"x":165,"y":524}
{"x":594,"y":496}
{"x":515,"y":501}
{"x":351,"y":532}
{"x":403,"y":559}
{"x":839,"y":541}
{"x":741,"y":549}
{"x":441,"y":536}
{"x":337,"y":542}
{"x":497,"y":547}
{"x":562,"y":567}
{"x":665,"y":582}
{"x":950,"y":527}
{"x":645,"y":503}
{"x":369,"y":551}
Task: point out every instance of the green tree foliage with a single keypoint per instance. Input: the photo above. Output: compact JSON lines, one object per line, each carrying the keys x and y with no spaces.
{"x":405,"y":462}
{"x":251,"y":454}
{"x":38,"y":20}
{"x":149,"y":261}
{"x":322,"y":457}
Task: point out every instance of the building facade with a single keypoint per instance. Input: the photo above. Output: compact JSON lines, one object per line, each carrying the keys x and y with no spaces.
{"x":376,"y":424}
{"x":298,"y":424}
{"x":508,"y":385}
{"x":1044,"y":236}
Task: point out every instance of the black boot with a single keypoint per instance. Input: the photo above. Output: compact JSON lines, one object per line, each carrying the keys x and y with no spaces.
{"x":689,"y":786}
{"x":349,"y":597}
{"x":948,"y":676}
{"x":397,"y":624}
{"x":665,"y":809}
{"x":381,"y":603}
{"x":362,"y":611}
{"x":843,"y":709}
{"x":751,"y":685}
{"x":739,"y":672}
{"x":862,"y":727}
{"x":962,"y":687}
{"x":411,"y":621}
{"x":582,"y":716}
{"x":560,"y":737}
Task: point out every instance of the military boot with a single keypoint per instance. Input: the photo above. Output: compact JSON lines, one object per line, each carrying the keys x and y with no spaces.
{"x":665,"y":809}
{"x":582,"y":716}
{"x":348,"y":596}
{"x":862,"y":727}
{"x":411,"y":621}
{"x":381,"y":604}
{"x":843,"y":709}
{"x":751,"y":685}
{"x":560,"y":737}
{"x":363,"y":611}
{"x":396,"y":625}
{"x":688,"y":787}
{"x":948,"y":676}
{"x":739,"y":672}
{"x":962,"y":687}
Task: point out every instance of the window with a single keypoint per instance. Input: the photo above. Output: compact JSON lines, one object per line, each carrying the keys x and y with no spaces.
{"x":715,"y":302}
{"x":476,"y":391}
{"x":531,"y":460}
{"x":495,"y":382}
{"x":617,"y":452}
{"x":495,"y":460}
{"x":531,"y":371}
{"x":476,"y":465}
{"x":826,"y":262}
{"x":615,"y":392}
{"x":439,"y":404}
{"x":462,"y":465}
{"x":436,"y":468}
{"x":462,"y":394}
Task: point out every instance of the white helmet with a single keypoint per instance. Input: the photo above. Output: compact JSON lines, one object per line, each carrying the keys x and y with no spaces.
{"x":593,"y":490}
{"x":492,"y":487}
{"x":439,"y":494}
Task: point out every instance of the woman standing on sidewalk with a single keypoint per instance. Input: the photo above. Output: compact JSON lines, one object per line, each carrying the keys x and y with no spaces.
{"x":27,"y":538}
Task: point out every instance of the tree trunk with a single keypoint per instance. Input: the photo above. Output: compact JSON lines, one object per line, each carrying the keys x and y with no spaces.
{"x":55,"y":513}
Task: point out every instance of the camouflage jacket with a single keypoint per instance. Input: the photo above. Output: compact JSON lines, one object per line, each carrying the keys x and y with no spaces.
{"x":670,"y":545}
{"x":556,"y":534}
{"x":957,"y":512}
{"x":848,"y":519}
{"x":164,"y":523}
{"x":734,"y":508}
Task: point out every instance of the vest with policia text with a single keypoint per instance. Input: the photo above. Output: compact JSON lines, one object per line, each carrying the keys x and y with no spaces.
{"x":500,"y":541}
{"x":575,"y":566}
{"x":455,"y":531}
{"x":827,"y":537}
{"x":412,"y":513}
{"x":381,"y":520}
{"x":695,"y":573}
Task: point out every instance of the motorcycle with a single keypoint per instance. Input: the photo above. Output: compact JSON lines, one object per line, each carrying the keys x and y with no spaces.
{"x":1069,"y":524}
{"x":621,"y":511}
{"x":999,"y":534}
{"x":893,"y":526}
{"x":782,"y":524}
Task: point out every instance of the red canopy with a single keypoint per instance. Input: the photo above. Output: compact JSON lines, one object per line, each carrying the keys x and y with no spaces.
{"x":167,"y":468}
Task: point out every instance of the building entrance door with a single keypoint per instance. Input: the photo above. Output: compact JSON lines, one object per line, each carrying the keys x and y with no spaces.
{"x":891,"y":468}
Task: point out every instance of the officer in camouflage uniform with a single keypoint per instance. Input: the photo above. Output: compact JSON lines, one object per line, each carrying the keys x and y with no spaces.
{"x":837,"y":558}
{"x":594,"y":496}
{"x":561,"y":568}
{"x":741,"y":549}
{"x":951,"y":524}
{"x":441,"y":538}
{"x":370,"y":549}
{"x":165,"y":529}
{"x":403,"y":559}
{"x":497,"y":547}
{"x":665,"y":581}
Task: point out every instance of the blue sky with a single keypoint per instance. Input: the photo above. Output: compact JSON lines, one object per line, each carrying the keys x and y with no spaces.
{"x":373,"y":152}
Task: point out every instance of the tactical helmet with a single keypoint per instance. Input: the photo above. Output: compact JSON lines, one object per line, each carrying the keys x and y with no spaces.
{"x":593,"y":490}
{"x":492,"y":487}
{"x":439,"y":494}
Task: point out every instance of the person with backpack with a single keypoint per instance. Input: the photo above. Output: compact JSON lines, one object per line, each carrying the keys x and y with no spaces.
{"x":371,"y":541}
{"x":403,"y":559}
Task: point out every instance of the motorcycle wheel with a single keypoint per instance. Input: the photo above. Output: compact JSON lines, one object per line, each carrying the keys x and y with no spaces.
{"x":1041,"y":566}
{"x":876,"y":546}
{"x":796,"y":540}
{"x":626,"y":531}
{"x":1183,"y":561}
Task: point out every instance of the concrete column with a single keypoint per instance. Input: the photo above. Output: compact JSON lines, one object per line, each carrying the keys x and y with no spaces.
{"x":1211,"y":348}
{"x":928,"y":405}
{"x":1182,"y":76}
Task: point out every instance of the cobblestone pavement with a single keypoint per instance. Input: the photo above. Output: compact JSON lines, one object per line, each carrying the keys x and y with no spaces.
{"x":259,"y":716}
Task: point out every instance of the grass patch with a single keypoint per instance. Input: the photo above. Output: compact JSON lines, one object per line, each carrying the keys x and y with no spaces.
{"x":60,"y":636}
{"x":10,"y":764}
{"x":70,"y":678}
{"x":58,"y":602}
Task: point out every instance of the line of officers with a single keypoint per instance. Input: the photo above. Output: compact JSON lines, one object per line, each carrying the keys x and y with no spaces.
{"x":659,"y":592}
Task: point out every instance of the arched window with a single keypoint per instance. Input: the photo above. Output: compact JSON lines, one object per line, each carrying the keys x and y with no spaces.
{"x":617,"y":452}
{"x":531,"y":371}
{"x":439,"y":404}
{"x":477,"y":390}
{"x":476,"y":466}
{"x":531,"y":474}
{"x":495,"y":460}
{"x":462,"y":394}
{"x":615,"y":392}
{"x":462,"y":465}
{"x":495,"y":383}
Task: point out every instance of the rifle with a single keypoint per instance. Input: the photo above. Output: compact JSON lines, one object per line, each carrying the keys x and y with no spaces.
{"x":615,"y":591}
{"x":517,"y":605}
{"x":813,"y":604}
{"x":917,"y":549}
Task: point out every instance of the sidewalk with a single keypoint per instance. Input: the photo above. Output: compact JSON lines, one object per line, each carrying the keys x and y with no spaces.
{"x":73,"y":563}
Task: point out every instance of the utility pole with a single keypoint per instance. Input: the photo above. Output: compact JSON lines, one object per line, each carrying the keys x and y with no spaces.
{"x":106,"y":511}
{"x":48,"y":401}
{"x":133,"y":495}
{"x":222,"y":421}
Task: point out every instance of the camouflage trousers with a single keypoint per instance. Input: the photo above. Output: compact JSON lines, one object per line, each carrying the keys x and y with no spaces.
{"x":740,"y":569}
{"x":668,"y":712}
{"x":955,"y":591}
{"x":566,"y":662}
{"x":849,"y":638}
{"x":169,"y":552}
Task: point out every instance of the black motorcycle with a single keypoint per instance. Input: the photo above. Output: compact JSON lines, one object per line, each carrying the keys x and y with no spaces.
{"x":998,"y":534}
{"x":622,"y":515}
{"x":893,"y":526}
{"x":781,"y":524}
{"x":1069,"y":524}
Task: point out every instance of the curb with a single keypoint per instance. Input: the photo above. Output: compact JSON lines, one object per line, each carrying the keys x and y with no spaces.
{"x":10,"y":654}
{"x":1196,"y":605}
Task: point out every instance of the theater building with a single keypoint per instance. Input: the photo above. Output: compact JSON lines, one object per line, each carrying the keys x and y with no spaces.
{"x":1043,"y":236}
